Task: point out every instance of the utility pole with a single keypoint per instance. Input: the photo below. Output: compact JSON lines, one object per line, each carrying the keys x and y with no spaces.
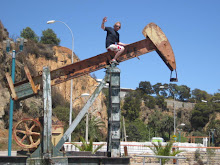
{"x":124,"y":129}
{"x":87,"y":127}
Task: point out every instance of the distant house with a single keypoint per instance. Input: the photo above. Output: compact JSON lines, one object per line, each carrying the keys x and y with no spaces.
{"x":123,"y":91}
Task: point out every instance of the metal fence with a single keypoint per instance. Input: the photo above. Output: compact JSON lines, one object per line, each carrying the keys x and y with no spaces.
{"x":194,"y":153}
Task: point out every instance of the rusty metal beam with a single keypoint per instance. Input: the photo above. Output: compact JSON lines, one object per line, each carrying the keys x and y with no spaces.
{"x":28,"y":74}
{"x":155,"y":41}
{"x":94,"y":63}
{"x":11,"y":86}
{"x":162,"y":44}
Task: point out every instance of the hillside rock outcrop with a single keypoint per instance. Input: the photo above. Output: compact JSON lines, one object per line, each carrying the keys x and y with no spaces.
{"x":59,"y":57}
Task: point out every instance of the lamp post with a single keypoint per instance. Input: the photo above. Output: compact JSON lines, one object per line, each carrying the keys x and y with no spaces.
{"x":174,"y":111}
{"x":8,"y":44}
{"x":213,"y":131}
{"x":71,"y":86}
{"x":182,"y":125}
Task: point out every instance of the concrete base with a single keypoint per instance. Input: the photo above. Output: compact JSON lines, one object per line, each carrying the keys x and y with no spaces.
{"x":72,"y":160}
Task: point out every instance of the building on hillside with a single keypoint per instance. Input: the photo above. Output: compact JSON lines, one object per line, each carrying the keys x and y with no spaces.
{"x":123,"y":91}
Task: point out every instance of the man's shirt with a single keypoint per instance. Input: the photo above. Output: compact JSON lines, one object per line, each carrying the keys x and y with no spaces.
{"x":112,"y":36}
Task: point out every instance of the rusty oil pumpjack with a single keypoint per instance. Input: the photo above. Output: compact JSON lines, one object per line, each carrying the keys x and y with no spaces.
{"x":155,"y":40}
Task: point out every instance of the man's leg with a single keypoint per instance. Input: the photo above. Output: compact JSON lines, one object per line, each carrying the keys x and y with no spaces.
{"x":121,"y":50}
{"x":118,"y":49}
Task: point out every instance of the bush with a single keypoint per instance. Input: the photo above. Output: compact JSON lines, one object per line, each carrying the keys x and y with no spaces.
{"x":28,"y":33}
{"x":149,"y":101}
{"x":49,"y":37}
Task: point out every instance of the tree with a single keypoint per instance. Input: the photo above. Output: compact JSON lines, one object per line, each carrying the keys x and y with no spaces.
{"x":155,"y":122}
{"x":95,"y":125}
{"x":145,"y":87}
{"x":200,"y":115}
{"x":183,"y":92}
{"x":28,"y":33}
{"x":215,"y":124}
{"x":160,"y":101}
{"x":167,"y":126}
{"x":62,"y":113}
{"x":164,"y":91}
{"x":131,"y":107}
{"x":149,"y":101}
{"x":156,"y":88}
{"x":173,"y":90}
{"x":200,"y":95}
{"x":136,"y":130}
{"x":49,"y":37}
{"x":215,"y":100}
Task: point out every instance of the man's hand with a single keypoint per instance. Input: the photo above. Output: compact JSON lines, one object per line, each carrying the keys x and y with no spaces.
{"x":103,"y":22}
{"x":104,"y":19}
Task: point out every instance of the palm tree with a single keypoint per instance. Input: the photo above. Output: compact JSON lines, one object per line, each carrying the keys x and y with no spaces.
{"x":87,"y":147}
{"x":164,"y":150}
{"x":95,"y":126}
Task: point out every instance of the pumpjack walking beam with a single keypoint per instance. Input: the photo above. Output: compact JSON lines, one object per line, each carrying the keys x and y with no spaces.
{"x":155,"y":41}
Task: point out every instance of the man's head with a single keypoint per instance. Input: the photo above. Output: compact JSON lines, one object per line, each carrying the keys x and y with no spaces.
{"x":117,"y":26}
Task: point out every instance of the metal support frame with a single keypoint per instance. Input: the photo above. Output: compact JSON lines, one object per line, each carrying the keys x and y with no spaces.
{"x":47,"y":133}
{"x":114,"y":112}
{"x":81,"y":114}
{"x":46,"y":153}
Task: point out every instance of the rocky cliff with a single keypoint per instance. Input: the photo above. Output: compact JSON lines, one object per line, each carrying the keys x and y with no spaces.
{"x":35,"y":57}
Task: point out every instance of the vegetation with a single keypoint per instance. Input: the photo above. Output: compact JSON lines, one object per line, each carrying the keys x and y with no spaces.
{"x":131,"y":107}
{"x":28,"y":33}
{"x":87,"y":146}
{"x":95,"y":124}
{"x":166,"y":150}
{"x":49,"y":37}
{"x":142,"y":123}
{"x":136,"y":130}
{"x":200,"y":116}
{"x":145,"y":110}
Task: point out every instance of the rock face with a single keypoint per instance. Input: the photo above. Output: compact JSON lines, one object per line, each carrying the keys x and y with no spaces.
{"x":84,"y":84}
{"x":35,"y":62}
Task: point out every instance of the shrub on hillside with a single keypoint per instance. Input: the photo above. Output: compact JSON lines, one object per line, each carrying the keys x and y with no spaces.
{"x":29,"y":34}
{"x":49,"y":37}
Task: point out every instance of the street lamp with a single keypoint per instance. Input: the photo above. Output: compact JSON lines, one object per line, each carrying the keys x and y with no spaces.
{"x":71,"y":86}
{"x":8,"y":45}
{"x":71,"y":111}
{"x":174,"y":111}
{"x":213,"y":131}
{"x":181,"y":125}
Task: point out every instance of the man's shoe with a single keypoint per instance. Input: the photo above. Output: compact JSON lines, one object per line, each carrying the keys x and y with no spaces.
{"x":114,"y":61}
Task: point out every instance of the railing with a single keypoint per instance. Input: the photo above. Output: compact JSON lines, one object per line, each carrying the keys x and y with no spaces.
{"x":143,"y":147}
{"x":209,"y":155}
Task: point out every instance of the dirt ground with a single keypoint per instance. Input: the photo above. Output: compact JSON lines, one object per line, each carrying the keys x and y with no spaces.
{"x":4,"y":142}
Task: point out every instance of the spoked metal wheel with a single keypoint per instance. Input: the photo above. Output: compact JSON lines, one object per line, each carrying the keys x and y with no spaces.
{"x":27,"y":133}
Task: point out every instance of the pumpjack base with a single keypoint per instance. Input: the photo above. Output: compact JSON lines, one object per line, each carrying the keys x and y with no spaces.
{"x":70,"y":160}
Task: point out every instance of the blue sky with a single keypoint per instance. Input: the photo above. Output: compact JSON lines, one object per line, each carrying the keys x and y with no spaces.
{"x":192,"y":27}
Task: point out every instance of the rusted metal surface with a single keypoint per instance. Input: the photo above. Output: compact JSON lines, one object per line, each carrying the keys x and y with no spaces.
{"x":27,"y":133}
{"x":11,"y":86}
{"x":155,"y":41}
{"x":162,"y":44}
{"x":28,"y":74}
{"x":47,"y":135}
{"x":95,"y":63}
